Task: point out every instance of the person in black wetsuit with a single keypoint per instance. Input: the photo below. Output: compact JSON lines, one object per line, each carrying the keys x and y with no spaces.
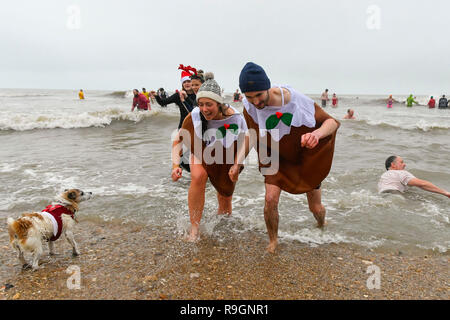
{"x":185,"y":106}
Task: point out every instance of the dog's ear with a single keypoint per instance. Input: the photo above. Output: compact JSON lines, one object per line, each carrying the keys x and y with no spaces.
{"x":72,"y":195}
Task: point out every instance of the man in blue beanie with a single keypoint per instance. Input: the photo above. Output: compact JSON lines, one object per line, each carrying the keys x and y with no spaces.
{"x":298,"y":131}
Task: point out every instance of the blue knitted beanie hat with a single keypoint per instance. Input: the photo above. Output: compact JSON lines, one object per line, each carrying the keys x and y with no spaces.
{"x":253,"y":78}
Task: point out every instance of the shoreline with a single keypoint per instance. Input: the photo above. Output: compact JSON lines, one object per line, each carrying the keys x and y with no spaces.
{"x":129,"y":261}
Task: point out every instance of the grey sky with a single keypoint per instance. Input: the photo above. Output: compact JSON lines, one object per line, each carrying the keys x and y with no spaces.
{"x":310,"y":45}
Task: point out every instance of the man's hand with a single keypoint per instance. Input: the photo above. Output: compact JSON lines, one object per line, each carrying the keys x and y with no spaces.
{"x":233,"y":173}
{"x":176,"y":173}
{"x":310,"y":140}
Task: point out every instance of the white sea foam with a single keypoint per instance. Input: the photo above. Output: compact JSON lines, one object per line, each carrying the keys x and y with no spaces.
{"x":23,"y":121}
{"x":8,"y":167}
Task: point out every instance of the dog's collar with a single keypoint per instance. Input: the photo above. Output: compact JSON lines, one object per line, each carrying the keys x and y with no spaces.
{"x":63,"y":203}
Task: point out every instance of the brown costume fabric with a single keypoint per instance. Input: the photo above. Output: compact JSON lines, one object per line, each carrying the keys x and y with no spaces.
{"x":300,"y":169}
{"x":217,"y":173}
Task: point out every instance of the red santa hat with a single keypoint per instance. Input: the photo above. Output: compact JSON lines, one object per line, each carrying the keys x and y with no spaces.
{"x":186,"y":72}
{"x":185,"y":76}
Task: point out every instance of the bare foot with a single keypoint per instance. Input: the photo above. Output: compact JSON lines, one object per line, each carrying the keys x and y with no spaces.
{"x":320,"y":217}
{"x":272,"y":246}
{"x":194,"y":235}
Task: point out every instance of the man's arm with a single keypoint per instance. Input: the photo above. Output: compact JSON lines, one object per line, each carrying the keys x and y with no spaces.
{"x":428,"y":186}
{"x":311,"y":139}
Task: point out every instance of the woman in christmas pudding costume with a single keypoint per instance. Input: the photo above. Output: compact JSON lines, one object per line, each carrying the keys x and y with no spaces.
{"x":298,"y":136}
{"x":213,"y":132}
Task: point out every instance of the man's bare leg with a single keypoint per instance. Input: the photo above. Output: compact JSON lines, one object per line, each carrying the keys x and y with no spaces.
{"x":316,"y":207}
{"x":224,"y":204}
{"x":271,"y":215}
{"x":196,"y":198}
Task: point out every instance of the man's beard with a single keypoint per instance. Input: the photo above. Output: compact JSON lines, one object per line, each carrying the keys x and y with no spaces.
{"x":264,"y":103}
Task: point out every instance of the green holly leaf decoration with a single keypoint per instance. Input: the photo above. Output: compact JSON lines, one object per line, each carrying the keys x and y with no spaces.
{"x":234,"y":129}
{"x":287,"y":118}
{"x":222,"y":131}
{"x":274,"y":119}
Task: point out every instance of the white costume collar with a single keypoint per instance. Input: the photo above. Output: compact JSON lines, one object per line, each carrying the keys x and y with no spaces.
{"x":298,"y":112}
{"x":216,"y":128}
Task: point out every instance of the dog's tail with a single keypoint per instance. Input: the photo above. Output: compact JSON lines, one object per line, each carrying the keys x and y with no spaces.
{"x":10,"y":221}
{"x":11,"y":229}
{"x":18,"y":229}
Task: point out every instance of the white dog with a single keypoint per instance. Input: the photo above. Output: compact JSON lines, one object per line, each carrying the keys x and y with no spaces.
{"x":27,"y":233}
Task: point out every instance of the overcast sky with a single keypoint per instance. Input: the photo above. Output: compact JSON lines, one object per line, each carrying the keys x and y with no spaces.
{"x":348,"y":46}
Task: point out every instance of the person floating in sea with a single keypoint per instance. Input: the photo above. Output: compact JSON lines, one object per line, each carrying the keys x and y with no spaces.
{"x":431,"y":103}
{"x":396,"y":178}
{"x":324,"y":98}
{"x":410,"y":100}
{"x":443,"y":103}
{"x":297,"y":134}
{"x":334,"y":101}
{"x":390,"y":102}
{"x":81,"y":94}
{"x":210,"y":127}
{"x":139,"y":100}
{"x":349,"y":114}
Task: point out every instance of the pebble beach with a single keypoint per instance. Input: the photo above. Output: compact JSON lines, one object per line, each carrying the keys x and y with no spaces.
{"x":129,"y":261}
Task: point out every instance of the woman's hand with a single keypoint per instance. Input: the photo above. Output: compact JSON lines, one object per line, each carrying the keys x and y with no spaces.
{"x":233,"y":173}
{"x":183,"y":95}
{"x":177,"y":172}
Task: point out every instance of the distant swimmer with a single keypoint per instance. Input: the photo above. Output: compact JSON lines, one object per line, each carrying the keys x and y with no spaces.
{"x":410,"y":100}
{"x":334,"y":101}
{"x":147,"y":94}
{"x":324,"y":98}
{"x":81,"y":94}
{"x":237,"y":96}
{"x":140,"y":101}
{"x":431,"y":103}
{"x":390,"y":102}
{"x":349,"y":114}
{"x":398,"y":179}
{"x":161,"y":93}
{"x":443,"y":103}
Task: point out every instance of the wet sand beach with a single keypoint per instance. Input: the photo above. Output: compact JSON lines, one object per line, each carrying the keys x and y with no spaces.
{"x":129,"y":261}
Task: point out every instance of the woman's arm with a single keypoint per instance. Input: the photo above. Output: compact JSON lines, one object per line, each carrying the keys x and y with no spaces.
{"x":176,"y":158}
{"x":175,"y":98}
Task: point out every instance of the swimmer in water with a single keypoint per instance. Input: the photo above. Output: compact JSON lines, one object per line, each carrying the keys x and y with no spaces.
{"x":396,"y":178}
{"x":334,"y":101}
{"x":390,"y":102}
{"x":349,"y":114}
